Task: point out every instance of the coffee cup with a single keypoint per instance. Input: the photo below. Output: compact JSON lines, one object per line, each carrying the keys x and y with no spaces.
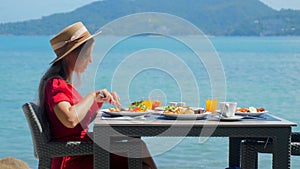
{"x":228,"y":108}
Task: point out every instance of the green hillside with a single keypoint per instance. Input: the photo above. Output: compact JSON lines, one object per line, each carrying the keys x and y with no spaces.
{"x":213,"y":17}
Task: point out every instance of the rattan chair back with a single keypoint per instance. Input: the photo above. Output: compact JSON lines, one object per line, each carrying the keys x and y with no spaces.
{"x":40,"y":135}
{"x":44,"y":149}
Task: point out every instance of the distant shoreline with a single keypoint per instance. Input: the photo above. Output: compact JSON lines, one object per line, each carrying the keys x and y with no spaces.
{"x":209,"y":36}
{"x":227,"y":18}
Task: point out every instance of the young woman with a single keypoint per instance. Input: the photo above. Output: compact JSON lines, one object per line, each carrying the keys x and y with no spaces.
{"x":65,"y":110}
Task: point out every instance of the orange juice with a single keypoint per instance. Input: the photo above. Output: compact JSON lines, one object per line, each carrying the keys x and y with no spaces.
{"x":211,"y":105}
{"x":155,"y":103}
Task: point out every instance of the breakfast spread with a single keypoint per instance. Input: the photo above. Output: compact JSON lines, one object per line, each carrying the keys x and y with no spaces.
{"x":145,"y":105}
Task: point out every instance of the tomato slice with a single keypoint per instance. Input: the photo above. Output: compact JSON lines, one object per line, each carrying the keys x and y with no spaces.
{"x":136,"y":109}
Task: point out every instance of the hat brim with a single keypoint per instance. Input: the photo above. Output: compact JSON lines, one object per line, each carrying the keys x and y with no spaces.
{"x":74,"y":47}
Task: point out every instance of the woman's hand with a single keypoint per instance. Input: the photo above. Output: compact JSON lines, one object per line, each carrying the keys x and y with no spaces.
{"x":109,"y":97}
{"x":71,"y":115}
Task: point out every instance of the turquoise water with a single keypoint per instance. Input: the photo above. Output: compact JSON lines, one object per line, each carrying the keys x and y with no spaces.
{"x":259,"y":71}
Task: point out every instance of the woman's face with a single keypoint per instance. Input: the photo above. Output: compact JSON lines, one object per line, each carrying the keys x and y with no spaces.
{"x":83,"y":59}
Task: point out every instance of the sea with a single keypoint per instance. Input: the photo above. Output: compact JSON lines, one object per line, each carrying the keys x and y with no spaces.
{"x":252,"y":71}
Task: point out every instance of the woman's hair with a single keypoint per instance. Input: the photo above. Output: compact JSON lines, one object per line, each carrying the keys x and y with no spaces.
{"x":60,"y":69}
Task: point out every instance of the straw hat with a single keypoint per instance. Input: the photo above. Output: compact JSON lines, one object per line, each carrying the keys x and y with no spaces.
{"x":69,"y":39}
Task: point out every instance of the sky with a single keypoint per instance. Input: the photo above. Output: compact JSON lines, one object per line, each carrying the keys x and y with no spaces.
{"x":19,"y":10}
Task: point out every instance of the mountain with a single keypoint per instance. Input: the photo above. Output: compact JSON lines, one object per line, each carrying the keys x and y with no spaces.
{"x":213,"y":17}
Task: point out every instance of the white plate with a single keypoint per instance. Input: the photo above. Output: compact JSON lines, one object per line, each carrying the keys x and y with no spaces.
{"x":233,"y":118}
{"x":257,"y":114}
{"x":124,"y":113}
{"x":185,"y":116}
{"x":193,"y":108}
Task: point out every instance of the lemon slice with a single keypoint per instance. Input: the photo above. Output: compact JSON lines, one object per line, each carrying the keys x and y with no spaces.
{"x":252,"y":110}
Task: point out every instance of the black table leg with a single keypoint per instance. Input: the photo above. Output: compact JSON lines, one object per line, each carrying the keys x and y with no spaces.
{"x":234,"y":151}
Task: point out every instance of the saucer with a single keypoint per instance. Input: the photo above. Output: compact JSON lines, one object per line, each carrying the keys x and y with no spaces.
{"x":233,"y":118}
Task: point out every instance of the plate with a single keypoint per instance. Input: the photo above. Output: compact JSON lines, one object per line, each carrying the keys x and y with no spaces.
{"x":185,"y":116}
{"x":257,"y":114}
{"x":124,"y":113}
{"x":197,"y":110}
{"x":233,"y":118}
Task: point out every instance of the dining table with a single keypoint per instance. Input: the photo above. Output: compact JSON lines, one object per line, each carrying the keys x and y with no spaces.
{"x":108,"y":128}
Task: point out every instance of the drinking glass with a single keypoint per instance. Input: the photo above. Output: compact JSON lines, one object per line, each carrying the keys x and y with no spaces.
{"x":155,"y":104}
{"x":211,"y":105}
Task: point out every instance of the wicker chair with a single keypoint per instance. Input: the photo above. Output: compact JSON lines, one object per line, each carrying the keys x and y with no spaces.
{"x":45,"y":150}
{"x":251,"y":148}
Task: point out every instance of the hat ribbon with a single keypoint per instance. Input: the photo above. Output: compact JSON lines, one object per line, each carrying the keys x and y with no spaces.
{"x":77,"y":36}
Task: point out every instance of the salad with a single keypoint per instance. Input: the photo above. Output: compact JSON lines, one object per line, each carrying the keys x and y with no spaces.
{"x":178,"y":110}
{"x":138,"y":106}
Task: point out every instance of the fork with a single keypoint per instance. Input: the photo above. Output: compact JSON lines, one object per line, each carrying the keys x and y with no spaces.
{"x":102,"y":95}
{"x":253,"y":117}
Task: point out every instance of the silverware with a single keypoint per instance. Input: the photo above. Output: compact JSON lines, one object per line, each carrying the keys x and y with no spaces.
{"x":120,"y":108}
{"x":102,"y":95}
{"x":253,"y":117}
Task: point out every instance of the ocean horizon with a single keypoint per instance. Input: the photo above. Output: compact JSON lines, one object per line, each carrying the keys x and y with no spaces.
{"x":258,"y":71}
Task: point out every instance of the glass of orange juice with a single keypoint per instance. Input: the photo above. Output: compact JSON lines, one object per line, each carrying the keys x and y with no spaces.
{"x":211,"y":105}
{"x":156,"y":103}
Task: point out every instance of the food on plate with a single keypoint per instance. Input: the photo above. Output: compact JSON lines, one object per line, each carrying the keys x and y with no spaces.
{"x":261,"y":109}
{"x":178,"y":110}
{"x":172,"y":110}
{"x":250,"y":110}
{"x":244,"y":110}
{"x":188,"y":111}
{"x":147,"y":103}
{"x":114,"y":109}
{"x":138,"y":106}
{"x":198,"y":110}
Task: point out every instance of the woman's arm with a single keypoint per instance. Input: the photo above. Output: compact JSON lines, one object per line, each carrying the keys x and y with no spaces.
{"x":71,"y":115}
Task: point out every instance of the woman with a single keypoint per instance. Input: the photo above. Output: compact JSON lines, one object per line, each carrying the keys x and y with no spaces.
{"x":66,"y":111}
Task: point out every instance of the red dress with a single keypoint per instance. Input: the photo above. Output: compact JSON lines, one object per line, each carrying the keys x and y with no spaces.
{"x":57,"y":90}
